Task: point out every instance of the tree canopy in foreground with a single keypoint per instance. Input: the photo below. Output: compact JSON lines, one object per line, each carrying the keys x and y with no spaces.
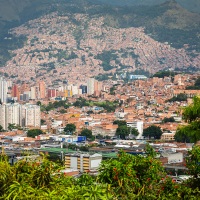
{"x":127,"y":177}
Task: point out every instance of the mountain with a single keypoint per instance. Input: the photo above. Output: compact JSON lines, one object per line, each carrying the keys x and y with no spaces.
{"x":192,"y":5}
{"x":168,"y":26}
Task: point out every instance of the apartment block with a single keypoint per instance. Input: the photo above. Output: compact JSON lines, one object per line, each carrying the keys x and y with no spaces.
{"x":30,"y":115}
{"x":90,"y":85}
{"x":42,"y":88}
{"x":3,"y":90}
{"x":23,"y":115}
{"x":137,"y":125}
{"x":83,"y":162}
{"x":52,"y":93}
{"x":9,"y":114}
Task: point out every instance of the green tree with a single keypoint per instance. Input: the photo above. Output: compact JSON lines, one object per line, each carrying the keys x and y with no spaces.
{"x":168,"y":119}
{"x":62,"y":111}
{"x":70,"y":129}
{"x":193,"y":162}
{"x":84,"y":148}
{"x":73,"y":147}
{"x":124,"y":131}
{"x":190,"y":132}
{"x":42,"y":121}
{"x":152,"y":131}
{"x":112,"y":90}
{"x":99,"y":136}
{"x":193,"y":165}
{"x":39,"y":103}
{"x":80,"y":102}
{"x":88,"y":133}
{"x":196,"y":85}
{"x":125,"y":177}
{"x":120,"y":122}
{"x":133,"y":131}
{"x":11,"y":126}
{"x":162,"y":74}
{"x":1,"y":128}
{"x":179,"y":97}
{"x":197,"y":82}
{"x":34,"y":132}
{"x":131,"y":173}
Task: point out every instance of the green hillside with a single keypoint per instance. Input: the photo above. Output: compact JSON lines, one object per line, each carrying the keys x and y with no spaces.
{"x":167,"y":22}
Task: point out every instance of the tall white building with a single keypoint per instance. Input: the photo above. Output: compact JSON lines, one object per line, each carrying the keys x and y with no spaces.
{"x":3,"y":90}
{"x":137,"y":125}
{"x":33,"y":93}
{"x":2,"y":116}
{"x":90,"y":85}
{"x":9,"y":114}
{"x":23,"y":115}
{"x":74,"y":89}
{"x":30,"y":115}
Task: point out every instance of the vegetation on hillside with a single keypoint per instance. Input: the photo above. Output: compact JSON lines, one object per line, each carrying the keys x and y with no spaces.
{"x":179,"y":97}
{"x":162,"y":74}
{"x":54,"y":105}
{"x":196,"y":85}
{"x":182,"y":27}
{"x":107,"y":105}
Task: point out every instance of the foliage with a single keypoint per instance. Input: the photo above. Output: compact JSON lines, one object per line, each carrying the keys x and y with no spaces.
{"x":34,"y":132}
{"x":120,"y":122}
{"x":107,"y":105}
{"x":88,"y":133}
{"x":162,"y":74}
{"x":1,"y":128}
{"x":42,"y":121}
{"x":196,"y":85}
{"x":168,"y":119}
{"x":80,"y":102}
{"x":152,"y":131}
{"x":193,"y":163}
{"x":62,"y":111}
{"x":54,"y":105}
{"x":99,"y":136}
{"x":112,"y":90}
{"x":84,"y":148}
{"x":179,"y":97}
{"x":90,"y":112}
{"x":190,"y":132}
{"x":192,"y":112}
{"x":181,"y":28}
{"x":62,"y":54}
{"x":106,"y":57}
{"x":39,"y":103}
{"x":42,"y":180}
{"x":103,"y":77}
{"x":134,"y":177}
{"x":70,"y":129}
{"x":12,"y":126}
{"x":124,"y":131}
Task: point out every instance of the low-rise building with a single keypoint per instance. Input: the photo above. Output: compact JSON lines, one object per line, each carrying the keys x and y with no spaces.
{"x":83,"y":162}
